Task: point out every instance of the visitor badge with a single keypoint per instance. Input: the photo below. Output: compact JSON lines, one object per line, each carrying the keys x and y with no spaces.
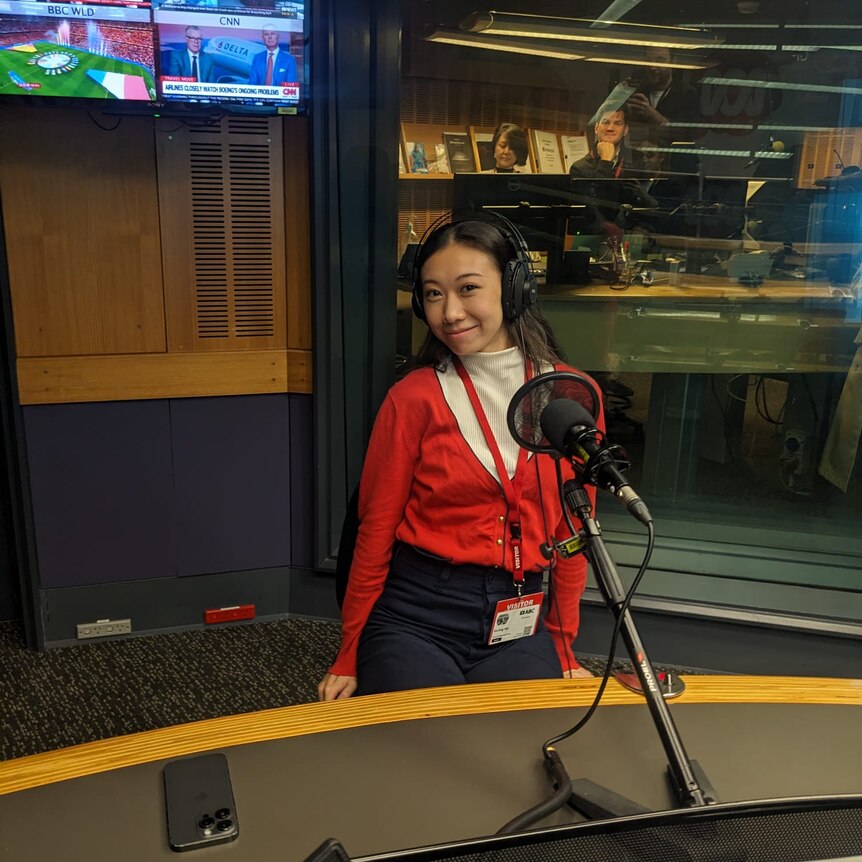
{"x":516,"y":618}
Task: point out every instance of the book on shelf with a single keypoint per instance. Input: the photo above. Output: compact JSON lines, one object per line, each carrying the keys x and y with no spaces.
{"x":460,"y":152}
{"x":402,"y":169}
{"x":441,"y":163}
{"x":575,"y":147}
{"x":546,"y":152}
{"x":416,"y":158}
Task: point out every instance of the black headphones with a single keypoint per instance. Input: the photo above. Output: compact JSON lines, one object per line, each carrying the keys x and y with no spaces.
{"x":519,"y":283}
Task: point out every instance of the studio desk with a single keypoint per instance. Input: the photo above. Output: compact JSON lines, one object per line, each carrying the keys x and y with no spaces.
{"x":706,"y":326}
{"x":414,"y":768}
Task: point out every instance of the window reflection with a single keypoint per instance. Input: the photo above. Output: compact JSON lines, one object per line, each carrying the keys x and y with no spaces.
{"x":693,"y":200}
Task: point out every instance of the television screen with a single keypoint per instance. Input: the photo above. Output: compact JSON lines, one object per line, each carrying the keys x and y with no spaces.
{"x":217,"y":53}
{"x":79,"y":50}
{"x":244,"y":54}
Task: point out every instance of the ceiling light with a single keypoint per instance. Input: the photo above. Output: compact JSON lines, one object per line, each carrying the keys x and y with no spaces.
{"x":781,"y":85}
{"x":596,"y":53}
{"x":512,"y":46}
{"x":578,"y":30}
{"x":750,"y":127}
{"x":695,"y":151}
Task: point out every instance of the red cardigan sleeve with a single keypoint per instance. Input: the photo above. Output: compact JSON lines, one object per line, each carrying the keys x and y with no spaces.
{"x":569,"y":577}
{"x":384,"y":490}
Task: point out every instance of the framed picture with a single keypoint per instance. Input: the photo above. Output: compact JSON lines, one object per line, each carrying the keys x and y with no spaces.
{"x":546,"y":152}
{"x":574,"y":147}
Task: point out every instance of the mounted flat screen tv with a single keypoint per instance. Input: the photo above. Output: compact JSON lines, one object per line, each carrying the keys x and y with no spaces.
{"x":214,"y":54}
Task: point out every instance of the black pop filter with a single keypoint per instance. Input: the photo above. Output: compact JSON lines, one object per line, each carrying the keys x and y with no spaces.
{"x":526,"y":407}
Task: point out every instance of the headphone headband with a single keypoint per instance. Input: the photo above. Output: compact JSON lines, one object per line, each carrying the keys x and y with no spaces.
{"x":519,"y":289}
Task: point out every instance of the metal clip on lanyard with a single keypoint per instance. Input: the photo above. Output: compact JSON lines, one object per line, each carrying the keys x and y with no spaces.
{"x":511,"y":490}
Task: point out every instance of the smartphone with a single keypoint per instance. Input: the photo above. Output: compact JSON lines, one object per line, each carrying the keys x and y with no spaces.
{"x":199,"y":802}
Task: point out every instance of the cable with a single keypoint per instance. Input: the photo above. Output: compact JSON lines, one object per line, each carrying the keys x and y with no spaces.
{"x":96,"y":123}
{"x":552,"y":760}
{"x":548,"y":744}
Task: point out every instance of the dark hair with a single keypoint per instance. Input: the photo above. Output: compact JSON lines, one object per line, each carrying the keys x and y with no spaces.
{"x":622,"y":109}
{"x":516,"y":138}
{"x":530,"y":330}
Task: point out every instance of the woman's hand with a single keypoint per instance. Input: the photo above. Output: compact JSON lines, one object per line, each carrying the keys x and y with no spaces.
{"x":577,"y":673}
{"x":334,"y":687}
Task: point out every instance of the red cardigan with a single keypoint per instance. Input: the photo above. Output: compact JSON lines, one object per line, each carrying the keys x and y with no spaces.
{"x":423,"y":485}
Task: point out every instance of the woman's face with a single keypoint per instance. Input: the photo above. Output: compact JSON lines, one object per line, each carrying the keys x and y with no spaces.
{"x":611,"y":128}
{"x":504,"y":157}
{"x":463,"y":300}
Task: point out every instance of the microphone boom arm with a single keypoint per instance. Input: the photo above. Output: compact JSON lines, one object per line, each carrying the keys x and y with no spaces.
{"x":689,"y":784}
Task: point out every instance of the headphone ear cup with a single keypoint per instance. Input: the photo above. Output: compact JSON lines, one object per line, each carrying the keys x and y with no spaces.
{"x":511,"y":288}
{"x":519,"y":288}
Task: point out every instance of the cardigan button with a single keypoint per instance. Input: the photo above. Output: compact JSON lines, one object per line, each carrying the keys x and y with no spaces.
{"x":502,"y":517}
{"x":499,"y":541}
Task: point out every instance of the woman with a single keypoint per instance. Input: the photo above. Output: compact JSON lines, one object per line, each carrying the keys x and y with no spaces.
{"x":510,"y":150}
{"x":439,"y":531}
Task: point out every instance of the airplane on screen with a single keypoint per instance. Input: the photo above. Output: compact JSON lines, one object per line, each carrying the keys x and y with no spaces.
{"x":232,"y":54}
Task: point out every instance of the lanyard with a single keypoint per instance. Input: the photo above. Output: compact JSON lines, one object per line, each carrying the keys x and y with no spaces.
{"x":511,"y":490}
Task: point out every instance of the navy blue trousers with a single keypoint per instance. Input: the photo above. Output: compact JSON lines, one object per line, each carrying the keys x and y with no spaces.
{"x":431,"y":626}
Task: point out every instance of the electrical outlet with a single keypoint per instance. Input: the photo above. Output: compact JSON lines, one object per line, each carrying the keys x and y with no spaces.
{"x":104,"y":628}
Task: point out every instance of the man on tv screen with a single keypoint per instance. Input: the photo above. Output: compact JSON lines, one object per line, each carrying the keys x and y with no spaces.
{"x":275,"y":65}
{"x":190,"y":62}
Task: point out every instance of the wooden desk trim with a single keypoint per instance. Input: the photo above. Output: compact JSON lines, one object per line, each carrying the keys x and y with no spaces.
{"x":184,"y":739}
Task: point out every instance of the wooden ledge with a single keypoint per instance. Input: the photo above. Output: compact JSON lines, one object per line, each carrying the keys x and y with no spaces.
{"x":184,"y":739}
{"x":131,"y":377}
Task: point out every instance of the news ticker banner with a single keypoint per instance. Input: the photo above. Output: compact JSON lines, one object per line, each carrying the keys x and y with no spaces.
{"x":200,"y":90}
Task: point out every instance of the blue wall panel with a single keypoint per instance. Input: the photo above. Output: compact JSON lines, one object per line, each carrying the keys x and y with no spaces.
{"x":302,"y":459}
{"x":232,"y":482}
{"x":102,"y":491}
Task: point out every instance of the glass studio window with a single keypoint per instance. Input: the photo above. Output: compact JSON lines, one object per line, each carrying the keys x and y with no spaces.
{"x":688,"y":178}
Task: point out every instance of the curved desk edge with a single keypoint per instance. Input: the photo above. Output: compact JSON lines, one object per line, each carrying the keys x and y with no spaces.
{"x":184,"y":739}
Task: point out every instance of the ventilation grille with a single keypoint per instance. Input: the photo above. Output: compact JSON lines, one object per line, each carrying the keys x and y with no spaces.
{"x":235,"y":250}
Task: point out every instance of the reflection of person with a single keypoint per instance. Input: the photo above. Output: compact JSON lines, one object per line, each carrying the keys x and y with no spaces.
{"x":661,"y":99}
{"x":510,"y":150}
{"x":273,"y":66}
{"x":439,"y":532}
{"x":607,"y":161}
{"x":190,"y":62}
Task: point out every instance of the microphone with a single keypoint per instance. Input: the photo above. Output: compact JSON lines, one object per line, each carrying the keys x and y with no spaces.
{"x":571,"y":430}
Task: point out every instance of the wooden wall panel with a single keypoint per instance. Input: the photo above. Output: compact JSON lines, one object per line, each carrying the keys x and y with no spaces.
{"x":297,"y":204}
{"x":53,"y":380}
{"x":82,"y":232}
{"x":223,"y":233}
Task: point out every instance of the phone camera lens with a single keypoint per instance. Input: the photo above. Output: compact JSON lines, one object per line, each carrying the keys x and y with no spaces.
{"x":224,"y":825}
{"x":222,"y":813}
{"x":206,"y":822}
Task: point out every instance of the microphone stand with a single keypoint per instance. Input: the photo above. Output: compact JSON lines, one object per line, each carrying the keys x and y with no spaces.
{"x":688,"y":782}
